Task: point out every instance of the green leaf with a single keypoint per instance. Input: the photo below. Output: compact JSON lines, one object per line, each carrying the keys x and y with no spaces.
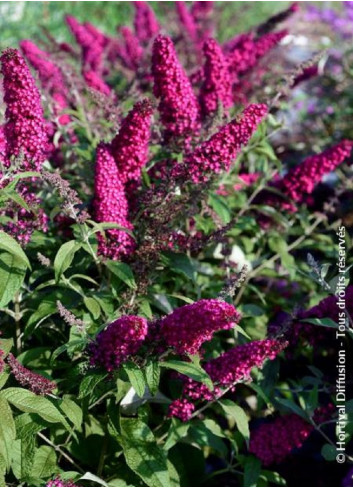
{"x":329,"y":452}
{"x":190,"y":370}
{"x":294,"y":408}
{"x":100,"y":227}
{"x":22,"y":455}
{"x":2,"y":471}
{"x":152,"y":373}
{"x":177,"y":430}
{"x":252,"y":310}
{"x":70,"y":347}
{"x":214,"y":427}
{"x":20,"y":176}
{"x":173,"y":475}
{"x":123,"y":272}
{"x":349,"y":406}
{"x":44,"y":462}
{"x":252,"y":470}
{"x":7,"y":243}
{"x":142,"y":454}
{"x":258,"y":389}
{"x":327,"y":322}
{"x":45,"y":309}
{"x":7,"y":431}
{"x":89,"y":383}
{"x":64,"y":257}
{"x":12,"y":274}
{"x":93,"y":306}
{"x":93,"y":478}
{"x":204,"y":437}
{"x":266,"y":149}
{"x":28,"y":424}
{"x":3,"y":379}
{"x":239,"y":416}
{"x":180,"y":263}
{"x":15,"y":197}
{"x":220,"y":206}
{"x":28,"y":402}
{"x":136,"y":377}
{"x":145,"y":309}
{"x":72,"y":411}
{"x":273,"y":477}
{"x":5,"y":345}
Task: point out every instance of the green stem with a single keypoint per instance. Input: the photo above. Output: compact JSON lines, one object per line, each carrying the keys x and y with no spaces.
{"x":275,"y":257}
{"x":17,"y":316}
{"x":61,"y":451}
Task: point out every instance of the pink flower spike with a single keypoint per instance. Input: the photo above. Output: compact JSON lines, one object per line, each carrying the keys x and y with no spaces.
{"x":303,"y":178}
{"x":92,"y":51}
{"x":35,"y":382}
{"x":187,"y":22}
{"x":25,"y":127}
{"x":59,"y":482}
{"x":95,"y":82}
{"x":131,"y":52}
{"x":182,"y":409}
{"x":217,"y":84}
{"x":115,"y":344}
{"x":188,"y":327}
{"x":130,"y":146}
{"x":110,"y":205}
{"x":145,"y":22}
{"x":178,"y":106}
{"x":235,"y":365}
{"x":51,"y":78}
{"x":217,"y":154}
{"x":272,"y":442}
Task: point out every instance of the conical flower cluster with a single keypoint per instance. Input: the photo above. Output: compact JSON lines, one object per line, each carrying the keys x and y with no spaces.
{"x":25,"y":128}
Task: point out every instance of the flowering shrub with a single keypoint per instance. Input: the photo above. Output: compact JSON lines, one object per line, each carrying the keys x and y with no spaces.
{"x":171,"y":291}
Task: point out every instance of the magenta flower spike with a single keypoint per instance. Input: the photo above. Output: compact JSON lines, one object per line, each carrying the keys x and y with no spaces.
{"x":130,"y":146}
{"x":25,"y":128}
{"x":216,"y":88}
{"x":110,"y":205}
{"x":178,"y":106}
{"x":188,"y":327}
{"x":217,"y":153}
{"x":120,"y":340}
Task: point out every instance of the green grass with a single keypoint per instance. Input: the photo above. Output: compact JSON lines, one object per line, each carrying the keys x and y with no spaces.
{"x":20,"y":20}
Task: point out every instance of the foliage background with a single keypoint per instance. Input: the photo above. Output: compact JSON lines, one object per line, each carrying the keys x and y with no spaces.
{"x":19,"y":17}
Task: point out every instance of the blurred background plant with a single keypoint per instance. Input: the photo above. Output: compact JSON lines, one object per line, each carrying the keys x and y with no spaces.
{"x":19,"y":17}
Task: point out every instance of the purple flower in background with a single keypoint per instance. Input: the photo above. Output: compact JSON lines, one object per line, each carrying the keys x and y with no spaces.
{"x":50,"y":76}
{"x":92,"y":50}
{"x":95,"y":82}
{"x":145,"y":22}
{"x":131,"y":51}
{"x":348,"y":479}
{"x":341,"y":23}
{"x":187,"y":21}
{"x":217,"y":85}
